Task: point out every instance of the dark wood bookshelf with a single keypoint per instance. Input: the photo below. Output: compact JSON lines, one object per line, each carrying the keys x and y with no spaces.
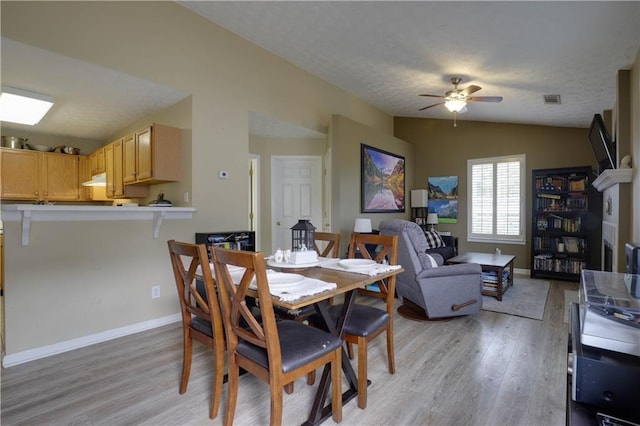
{"x":566,"y":223}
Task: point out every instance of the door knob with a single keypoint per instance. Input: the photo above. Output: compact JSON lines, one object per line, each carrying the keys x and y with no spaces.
{"x":278,"y":223}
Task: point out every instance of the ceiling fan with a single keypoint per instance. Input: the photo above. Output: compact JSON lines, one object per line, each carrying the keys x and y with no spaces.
{"x":456,"y":100}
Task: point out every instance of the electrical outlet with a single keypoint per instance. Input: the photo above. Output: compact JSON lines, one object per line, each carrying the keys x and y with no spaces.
{"x":155,"y":291}
{"x":186,"y":196}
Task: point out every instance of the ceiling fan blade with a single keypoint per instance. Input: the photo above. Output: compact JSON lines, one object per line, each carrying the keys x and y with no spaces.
{"x":469,"y":90}
{"x":432,"y":96}
{"x":485,"y":99}
{"x":430,"y":106}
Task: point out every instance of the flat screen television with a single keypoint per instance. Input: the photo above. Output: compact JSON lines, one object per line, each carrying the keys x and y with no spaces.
{"x":603,"y":147}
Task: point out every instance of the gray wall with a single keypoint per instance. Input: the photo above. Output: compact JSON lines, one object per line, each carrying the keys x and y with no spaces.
{"x":443,"y":150}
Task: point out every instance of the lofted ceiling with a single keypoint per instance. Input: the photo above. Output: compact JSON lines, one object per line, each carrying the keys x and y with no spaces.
{"x":385,"y":52}
{"x":388,"y":52}
{"x":91,"y":102}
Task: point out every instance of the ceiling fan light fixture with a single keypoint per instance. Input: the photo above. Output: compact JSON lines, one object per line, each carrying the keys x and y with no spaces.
{"x":455,"y":105}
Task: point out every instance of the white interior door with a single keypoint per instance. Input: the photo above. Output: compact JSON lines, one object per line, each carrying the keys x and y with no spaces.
{"x":296,"y":194}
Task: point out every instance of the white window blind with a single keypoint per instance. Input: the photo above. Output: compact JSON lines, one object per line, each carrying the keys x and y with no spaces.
{"x":496,"y":207}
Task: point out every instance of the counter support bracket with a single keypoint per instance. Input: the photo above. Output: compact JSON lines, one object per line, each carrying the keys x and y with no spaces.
{"x":27,"y":213}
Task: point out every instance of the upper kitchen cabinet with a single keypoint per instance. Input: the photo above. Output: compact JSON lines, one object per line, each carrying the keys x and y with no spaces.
{"x":60,"y":177}
{"x":97,"y":162}
{"x":152,"y":155}
{"x":33,"y":175}
{"x":84,"y":170}
{"x":20,"y":174}
{"x":114,"y":159}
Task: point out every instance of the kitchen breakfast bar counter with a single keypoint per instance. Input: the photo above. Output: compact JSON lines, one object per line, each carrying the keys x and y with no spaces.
{"x":27,"y":213}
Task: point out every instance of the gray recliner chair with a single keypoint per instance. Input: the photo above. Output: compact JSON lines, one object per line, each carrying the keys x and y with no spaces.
{"x":428,"y":289}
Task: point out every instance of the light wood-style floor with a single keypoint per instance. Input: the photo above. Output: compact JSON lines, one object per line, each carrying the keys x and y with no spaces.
{"x":488,"y":369}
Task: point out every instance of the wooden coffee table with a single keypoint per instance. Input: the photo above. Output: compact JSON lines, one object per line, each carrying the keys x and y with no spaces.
{"x":490,"y":262}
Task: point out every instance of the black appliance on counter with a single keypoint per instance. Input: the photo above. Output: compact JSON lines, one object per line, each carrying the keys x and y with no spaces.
{"x":604,"y":345}
{"x":238,"y":240}
{"x":632,"y":258}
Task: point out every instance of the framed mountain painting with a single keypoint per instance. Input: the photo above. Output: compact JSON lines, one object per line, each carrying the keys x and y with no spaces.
{"x":443,"y":198}
{"x":382,"y":186}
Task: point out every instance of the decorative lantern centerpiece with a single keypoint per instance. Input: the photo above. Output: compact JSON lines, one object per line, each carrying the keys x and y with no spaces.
{"x":302,"y":235}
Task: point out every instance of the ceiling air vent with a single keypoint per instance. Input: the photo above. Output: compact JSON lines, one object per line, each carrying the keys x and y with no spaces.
{"x":552,"y":99}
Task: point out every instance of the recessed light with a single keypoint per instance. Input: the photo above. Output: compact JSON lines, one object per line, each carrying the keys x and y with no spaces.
{"x":23,"y":107}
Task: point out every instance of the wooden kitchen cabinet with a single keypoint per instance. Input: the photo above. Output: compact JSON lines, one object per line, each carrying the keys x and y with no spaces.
{"x":60,"y":176}
{"x":34,"y":175}
{"x":84,"y":175}
{"x":97,"y":161}
{"x":108,"y":161}
{"x":114,"y":160}
{"x":152,"y":155}
{"x":20,"y":174}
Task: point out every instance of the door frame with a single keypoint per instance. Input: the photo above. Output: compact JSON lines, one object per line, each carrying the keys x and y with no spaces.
{"x":255,"y":183}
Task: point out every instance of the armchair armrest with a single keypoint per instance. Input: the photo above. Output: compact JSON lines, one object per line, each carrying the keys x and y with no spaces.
{"x":450,"y":270}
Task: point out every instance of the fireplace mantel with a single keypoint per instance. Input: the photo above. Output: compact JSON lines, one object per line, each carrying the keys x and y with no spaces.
{"x":610,"y":177}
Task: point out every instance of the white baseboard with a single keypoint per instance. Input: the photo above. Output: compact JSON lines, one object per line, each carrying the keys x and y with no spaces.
{"x":520,"y":271}
{"x":69,"y":345}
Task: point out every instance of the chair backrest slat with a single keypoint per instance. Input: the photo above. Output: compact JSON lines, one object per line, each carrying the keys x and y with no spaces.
{"x":386,"y":250}
{"x":241,"y":321}
{"x":194,"y":301}
{"x":332,"y":249}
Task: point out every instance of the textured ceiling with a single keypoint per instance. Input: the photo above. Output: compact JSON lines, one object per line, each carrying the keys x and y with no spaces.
{"x":91,"y":101}
{"x":383,"y":52}
{"x":389,"y":52}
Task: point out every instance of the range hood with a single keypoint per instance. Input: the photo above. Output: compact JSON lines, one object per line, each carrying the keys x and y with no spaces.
{"x":97,"y":180}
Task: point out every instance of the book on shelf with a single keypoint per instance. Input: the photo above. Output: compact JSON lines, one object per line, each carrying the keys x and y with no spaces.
{"x":579,"y":184}
{"x":547,"y":195}
{"x":491,"y":277}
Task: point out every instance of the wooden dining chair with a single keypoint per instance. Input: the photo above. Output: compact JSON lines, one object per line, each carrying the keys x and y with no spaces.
{"x":201,"y":317}
{"x":332,"y":248}
{"x":277,"y":352}
{"x":367,"y":322}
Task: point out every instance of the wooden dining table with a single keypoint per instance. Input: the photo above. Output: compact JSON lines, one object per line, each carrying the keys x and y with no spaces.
{"x":347,"y":283}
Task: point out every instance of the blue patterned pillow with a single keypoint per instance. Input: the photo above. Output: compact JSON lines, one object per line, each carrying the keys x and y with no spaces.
{"x":434,"y":240}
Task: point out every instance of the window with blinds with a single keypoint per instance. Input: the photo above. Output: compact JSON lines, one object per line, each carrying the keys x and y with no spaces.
{"x":497,"y":193}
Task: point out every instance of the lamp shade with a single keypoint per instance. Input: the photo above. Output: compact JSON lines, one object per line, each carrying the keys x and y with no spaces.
{"x":362,"y":225}
{"x":432,"y":219}
{"x":419,"y":198}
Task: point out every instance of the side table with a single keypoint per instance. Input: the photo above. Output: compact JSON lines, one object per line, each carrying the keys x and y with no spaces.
{"x":491,"y":262}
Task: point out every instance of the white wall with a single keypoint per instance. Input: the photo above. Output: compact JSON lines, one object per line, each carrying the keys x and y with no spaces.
{"x":79,"y":279}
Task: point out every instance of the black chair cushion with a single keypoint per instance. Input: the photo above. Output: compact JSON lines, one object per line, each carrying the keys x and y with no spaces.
{"x":202,"y":325}
{"x":299,"y":345}
{"x":363,"y":319}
